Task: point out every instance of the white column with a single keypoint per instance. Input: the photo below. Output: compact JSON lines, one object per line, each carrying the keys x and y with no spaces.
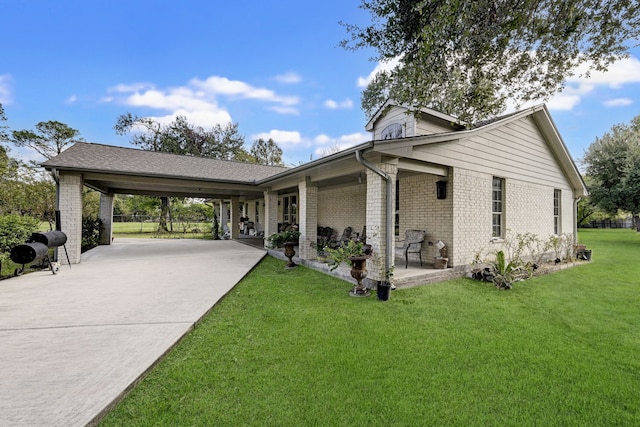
{"x":235,"y":217}
{"x":270,"y":214}
{"x":308,"y":218}
{"x":106,"y":215}
{"x":70,"y":207}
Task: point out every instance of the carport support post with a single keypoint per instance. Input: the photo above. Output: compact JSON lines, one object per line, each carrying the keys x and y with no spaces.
{"x":270,"y":214}
{"x":308,"y":218}
{"x":377,"y":217}
{"x":106,"y":216}
{"x":235,"y":217}
{"x":70,"y":207}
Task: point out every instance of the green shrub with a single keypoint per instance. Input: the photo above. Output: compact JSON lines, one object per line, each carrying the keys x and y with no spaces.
{"x":14,"y":230}
{"x":277,"y":240}
{"x":91,"y":229}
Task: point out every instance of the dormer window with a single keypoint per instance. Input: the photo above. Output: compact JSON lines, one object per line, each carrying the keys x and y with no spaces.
{"x":392,"y":131}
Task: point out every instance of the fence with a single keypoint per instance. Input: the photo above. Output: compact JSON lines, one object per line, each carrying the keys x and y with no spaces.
{"x":610,"y":223}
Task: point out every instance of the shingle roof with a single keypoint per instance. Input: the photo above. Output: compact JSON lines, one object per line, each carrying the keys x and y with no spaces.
{"x":84,"y":156}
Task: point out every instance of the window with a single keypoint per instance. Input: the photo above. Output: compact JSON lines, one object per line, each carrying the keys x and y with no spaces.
{"x":392,"y":131}
{"x":290,"y":209}
{"x":498,"y":206}
{"x":556,"y":212}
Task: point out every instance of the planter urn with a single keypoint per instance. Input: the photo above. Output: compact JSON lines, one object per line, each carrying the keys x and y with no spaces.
{"x":359,"y":272}
{"x":289,"y":252}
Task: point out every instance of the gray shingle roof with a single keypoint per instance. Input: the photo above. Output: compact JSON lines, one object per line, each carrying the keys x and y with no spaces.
{"x":84,"y":156}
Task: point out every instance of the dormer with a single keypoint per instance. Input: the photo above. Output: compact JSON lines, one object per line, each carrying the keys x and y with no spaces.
{"x":393,"y":121}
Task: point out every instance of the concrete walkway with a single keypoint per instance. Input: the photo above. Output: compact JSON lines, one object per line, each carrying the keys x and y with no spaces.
{"x":71,"y":343}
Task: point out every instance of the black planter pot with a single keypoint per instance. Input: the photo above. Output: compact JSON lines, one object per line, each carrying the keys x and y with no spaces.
{"x":382,"y":290}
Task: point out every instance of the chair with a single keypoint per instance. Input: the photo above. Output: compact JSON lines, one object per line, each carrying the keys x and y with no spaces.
{"x":412,"y":245}
{"x":346,"y":236}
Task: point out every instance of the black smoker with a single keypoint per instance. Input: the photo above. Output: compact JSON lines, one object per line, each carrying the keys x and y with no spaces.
{"x":37,"y":249}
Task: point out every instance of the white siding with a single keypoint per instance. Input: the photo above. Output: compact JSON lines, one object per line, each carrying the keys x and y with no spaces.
{"x":425,"y":126}
{"x":395,"y":115}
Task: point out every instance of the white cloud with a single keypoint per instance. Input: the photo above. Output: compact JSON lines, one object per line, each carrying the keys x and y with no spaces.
{"x":285,"y":110}
{"x":6,"y":96}
{"x":342,"y":142}
{"x":620,"y":73}
{"x":335,"y":105}
{"x":216,"y":85}
{"x":619,"y":102}
{"x":381,"y":66}
{"x":72,"y":99}
{"x":283,"y":138}
{"x":289,"y":78}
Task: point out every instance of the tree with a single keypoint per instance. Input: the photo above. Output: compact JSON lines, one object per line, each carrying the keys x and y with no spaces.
{"x":468,"y":57}
{"x":3,"y":128}
{"x":180,"y":137}
{"x":612,"y":164}
{"x":49,"y":140}
{"x":266,"y":152}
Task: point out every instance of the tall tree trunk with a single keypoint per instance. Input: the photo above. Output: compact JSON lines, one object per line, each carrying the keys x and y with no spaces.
{"x":164,"y":212}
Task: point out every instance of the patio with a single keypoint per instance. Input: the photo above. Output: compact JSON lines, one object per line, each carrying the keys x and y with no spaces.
{"x":411,"y":276}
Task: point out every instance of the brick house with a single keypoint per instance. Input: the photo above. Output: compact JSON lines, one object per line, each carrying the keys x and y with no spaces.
{"x":465,"y":186}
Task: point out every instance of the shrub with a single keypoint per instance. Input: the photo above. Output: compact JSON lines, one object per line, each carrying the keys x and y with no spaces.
{"x":277,"y":240}
{"x":91,"y":229}
{"x":14,"y":230}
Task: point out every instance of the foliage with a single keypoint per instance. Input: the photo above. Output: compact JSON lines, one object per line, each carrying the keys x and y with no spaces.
{"x":3,"y":128}
{"x":49,"y":139}
{"x":266,"y":152}
{"x":561,"y":350}
{"x":14,"y":230}
{"x":342,"y":253}
{"x":277,"y":240}
{"x":612,"y":164}
{"x":181,"y":137}
{"x":468,"y":57}
{"x":91,"y":229}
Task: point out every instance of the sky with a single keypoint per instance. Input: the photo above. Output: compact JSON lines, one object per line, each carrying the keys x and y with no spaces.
{"x":274,"y":67}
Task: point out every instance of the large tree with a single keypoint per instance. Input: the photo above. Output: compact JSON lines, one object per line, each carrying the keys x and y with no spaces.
{"x":612,"y":164}
{"x":181,"y":137}
{"x":468,"y":57}
{"x":266,"y":152}
{"x":49,"y":139}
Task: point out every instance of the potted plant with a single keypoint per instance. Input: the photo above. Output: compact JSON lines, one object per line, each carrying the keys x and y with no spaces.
{"x":288,"y":239}
{"x":354,"y":254}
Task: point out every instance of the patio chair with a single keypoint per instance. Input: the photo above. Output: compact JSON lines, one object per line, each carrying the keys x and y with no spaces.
{"x":346,"y":236}
{"x":412,"y":245}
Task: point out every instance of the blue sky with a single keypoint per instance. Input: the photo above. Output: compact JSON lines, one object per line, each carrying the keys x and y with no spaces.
{"x":273,"y":67}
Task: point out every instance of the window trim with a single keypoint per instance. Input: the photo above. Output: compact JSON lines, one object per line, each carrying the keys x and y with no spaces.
{"x":557,"y":211}
{"x":497,"y":227}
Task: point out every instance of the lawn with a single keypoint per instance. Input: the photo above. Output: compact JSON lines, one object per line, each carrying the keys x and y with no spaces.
{"x":291,"y":348}
{"x":182,"y":230}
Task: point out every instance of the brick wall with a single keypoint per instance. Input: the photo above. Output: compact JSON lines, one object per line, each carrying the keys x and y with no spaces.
{"x":341,"y":207}
{"x":421,"y":210}
{"x":70,"y":206}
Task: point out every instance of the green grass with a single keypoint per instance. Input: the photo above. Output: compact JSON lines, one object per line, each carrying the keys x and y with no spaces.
{"x":291,"y":348}
{"x":149,"y":229}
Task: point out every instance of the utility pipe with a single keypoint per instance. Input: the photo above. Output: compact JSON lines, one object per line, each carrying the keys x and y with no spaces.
{"x":389,"y":209}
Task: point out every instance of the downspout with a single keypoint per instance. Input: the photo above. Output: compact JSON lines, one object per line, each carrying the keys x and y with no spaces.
{"x":389,"y":209}
{"x":575,"y":217}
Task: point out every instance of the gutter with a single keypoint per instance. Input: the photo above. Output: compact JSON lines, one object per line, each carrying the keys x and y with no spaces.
{"x":389,"y":209}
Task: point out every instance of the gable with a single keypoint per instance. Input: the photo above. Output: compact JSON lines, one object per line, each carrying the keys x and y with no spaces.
{"x":398,"y":121}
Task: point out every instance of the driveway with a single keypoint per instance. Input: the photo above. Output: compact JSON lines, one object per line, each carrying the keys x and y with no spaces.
{"x":73,"y":342}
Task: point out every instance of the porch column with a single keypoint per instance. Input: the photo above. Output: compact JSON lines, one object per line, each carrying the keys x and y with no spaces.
{"x":376,"y":218}
{"x":308,"y":218}
{"x":270,"y":214}
{"x":223,"y":217}
{"x":70,"y":207}
{"x":235,"y":217}
{"x":106,"y":215}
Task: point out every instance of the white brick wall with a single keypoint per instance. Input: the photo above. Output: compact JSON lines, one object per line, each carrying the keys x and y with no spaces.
{"x":341,"y":207}
{"x":421,"y":210}
{"x":307,"y":218}
{"x":70,"y":206}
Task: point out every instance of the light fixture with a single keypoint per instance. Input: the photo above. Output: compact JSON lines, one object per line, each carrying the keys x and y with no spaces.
{"x":359,"y":177}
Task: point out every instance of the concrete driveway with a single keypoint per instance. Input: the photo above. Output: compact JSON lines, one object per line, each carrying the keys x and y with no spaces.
{"x":71,"y":343}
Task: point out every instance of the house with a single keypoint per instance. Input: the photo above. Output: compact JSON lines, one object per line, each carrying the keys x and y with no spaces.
{"x":464,"y":185}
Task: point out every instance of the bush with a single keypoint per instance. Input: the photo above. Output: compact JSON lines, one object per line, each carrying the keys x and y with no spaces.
{"x":14,"y":231}
{"x":277,"y":240}
{"x":91,"y":229}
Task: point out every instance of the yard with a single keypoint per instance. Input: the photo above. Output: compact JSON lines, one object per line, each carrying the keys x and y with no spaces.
{"x":290,"y":347}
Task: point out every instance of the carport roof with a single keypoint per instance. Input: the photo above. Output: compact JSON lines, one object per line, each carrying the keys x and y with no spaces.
{"x":90,"y":157}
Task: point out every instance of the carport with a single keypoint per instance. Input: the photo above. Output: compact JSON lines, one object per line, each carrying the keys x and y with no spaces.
{"x":116,"y":170}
